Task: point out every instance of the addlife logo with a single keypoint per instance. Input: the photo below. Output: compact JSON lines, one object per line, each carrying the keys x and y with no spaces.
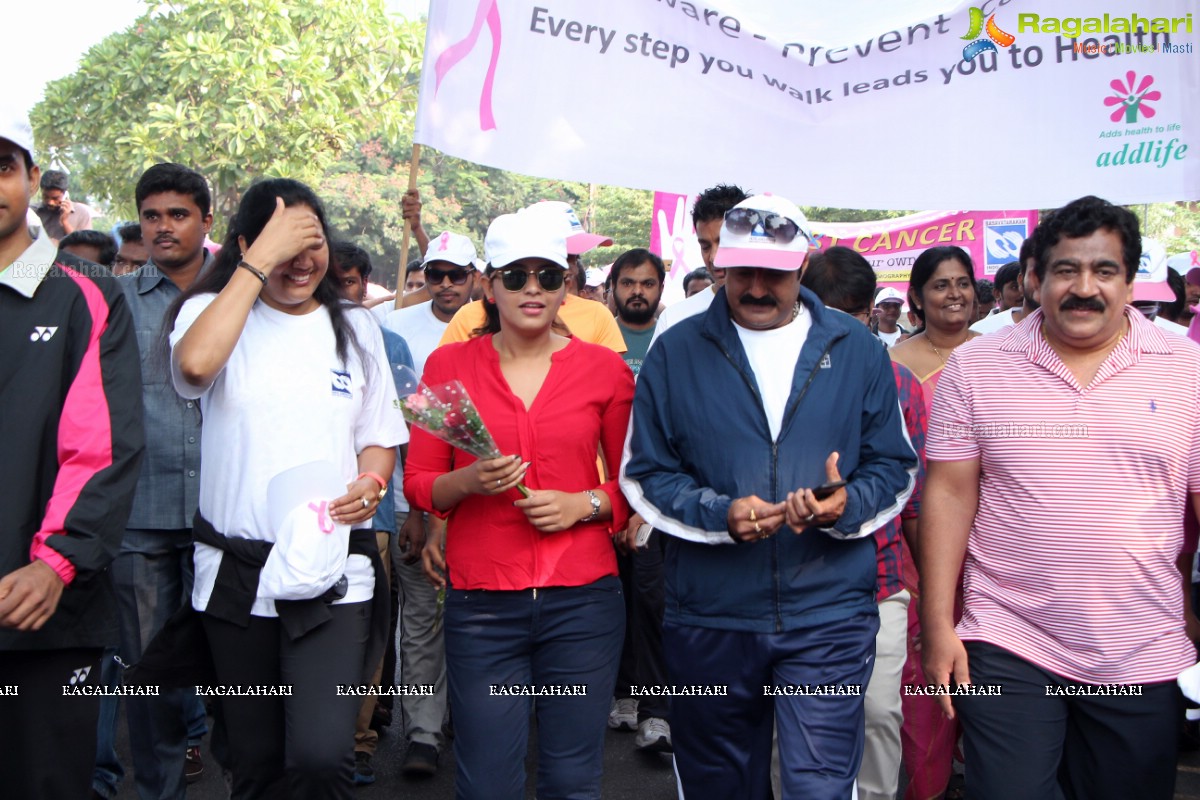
{"x":995,"y":35}
{"x":1132,"y":97}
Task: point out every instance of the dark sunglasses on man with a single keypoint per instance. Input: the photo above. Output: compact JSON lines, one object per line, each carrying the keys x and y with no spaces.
{"x":457,"y":276}
{"x":515,"y":279}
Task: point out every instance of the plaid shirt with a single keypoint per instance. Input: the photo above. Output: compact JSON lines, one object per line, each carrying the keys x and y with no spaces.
{"x":891,"y":549}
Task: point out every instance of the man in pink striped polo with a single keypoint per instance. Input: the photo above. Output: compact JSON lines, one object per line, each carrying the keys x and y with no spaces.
{"x":1059,"y":467}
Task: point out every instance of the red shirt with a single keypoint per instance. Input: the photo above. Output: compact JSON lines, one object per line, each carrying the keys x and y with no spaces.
{"x":583,"y":407}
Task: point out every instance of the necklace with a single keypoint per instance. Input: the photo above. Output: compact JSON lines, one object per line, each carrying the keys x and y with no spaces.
{"x":937,"y":352}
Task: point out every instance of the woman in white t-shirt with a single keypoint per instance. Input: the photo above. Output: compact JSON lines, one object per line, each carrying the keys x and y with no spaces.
{"x":286,"y":374}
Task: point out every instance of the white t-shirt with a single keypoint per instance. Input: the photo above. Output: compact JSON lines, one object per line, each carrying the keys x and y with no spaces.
{"x":421,"y":331}
{"x":996,"y":322}
{"x":773,"y":355}
{"x":890,"y":339}
{"x":282,"y":400}
{"x":1173,"y":327}
{"x":678,"y":312}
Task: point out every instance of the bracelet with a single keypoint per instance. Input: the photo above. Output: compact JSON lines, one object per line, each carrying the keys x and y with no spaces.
{"x":257,"y":273}
{"x":375,"y":477}
{"x":595,"y":501}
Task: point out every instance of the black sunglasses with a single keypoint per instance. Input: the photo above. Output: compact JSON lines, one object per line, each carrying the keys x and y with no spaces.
{"x":778,"y":227}
{"x":457,"y":276}
{"x":515,"y":279}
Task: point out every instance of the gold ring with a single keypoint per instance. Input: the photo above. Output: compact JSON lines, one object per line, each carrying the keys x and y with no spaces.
{"x":753,"y":517}
{"x":757,"y":529}
{"x":366,"y":503}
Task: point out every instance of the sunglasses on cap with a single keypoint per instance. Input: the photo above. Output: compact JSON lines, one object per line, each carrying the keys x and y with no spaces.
{"x":515,"y":279}
{"x":457,"y":276}
{"x":776,"y":226}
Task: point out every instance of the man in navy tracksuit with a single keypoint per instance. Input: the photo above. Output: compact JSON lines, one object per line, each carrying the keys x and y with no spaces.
{"x":770,"y":587}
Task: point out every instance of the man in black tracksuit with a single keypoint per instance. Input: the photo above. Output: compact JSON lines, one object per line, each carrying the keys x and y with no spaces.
{"x":71,"y":427}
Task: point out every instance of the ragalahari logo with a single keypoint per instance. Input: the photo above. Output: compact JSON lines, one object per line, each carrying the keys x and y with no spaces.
{"x":994,"y":34}
{"x":1132,"y":97}
{"x":486,"y":12}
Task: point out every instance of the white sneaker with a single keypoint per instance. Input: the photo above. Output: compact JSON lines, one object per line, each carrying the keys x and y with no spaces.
{"x":654,"y":735}
{"x":623,"y":716}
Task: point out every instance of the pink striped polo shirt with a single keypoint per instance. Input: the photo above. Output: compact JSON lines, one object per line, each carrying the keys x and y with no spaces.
{"x":1071,"y":559}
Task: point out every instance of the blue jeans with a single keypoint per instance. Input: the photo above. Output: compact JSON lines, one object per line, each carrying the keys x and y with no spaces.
{"x":108,"y":773}
{"x":558,"y":636}
{"x":153,"y":578}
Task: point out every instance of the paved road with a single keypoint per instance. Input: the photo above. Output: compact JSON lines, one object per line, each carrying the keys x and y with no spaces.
{"x":628,"y":775}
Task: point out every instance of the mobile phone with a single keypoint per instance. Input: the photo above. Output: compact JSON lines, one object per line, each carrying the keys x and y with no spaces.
{"x":643,"y":535}
{"x":826,"y":489}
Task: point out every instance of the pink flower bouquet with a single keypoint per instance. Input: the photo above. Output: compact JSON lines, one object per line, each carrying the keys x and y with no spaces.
{"x":447,"y":412}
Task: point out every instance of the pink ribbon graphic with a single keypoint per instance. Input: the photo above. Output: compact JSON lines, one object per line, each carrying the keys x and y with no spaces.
{"x":677,"y":263}
{"x":323,"y":520}
{"x":488,"y":12}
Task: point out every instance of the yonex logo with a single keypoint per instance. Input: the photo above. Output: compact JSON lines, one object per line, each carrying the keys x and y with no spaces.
{"x":80,"y":675}
{"x":41,"y":334}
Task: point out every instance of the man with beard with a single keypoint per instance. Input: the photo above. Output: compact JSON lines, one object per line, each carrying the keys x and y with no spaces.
{"x":1011,"y":316}
{"x":153,"y":571}
{"x":450,"y":278}
{"x":637,"y":280}
{"x":1087,"y":658}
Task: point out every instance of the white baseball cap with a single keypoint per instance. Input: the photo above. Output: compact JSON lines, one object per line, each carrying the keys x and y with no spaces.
{"x":595,"y":277}
{"x":1150,"y":285}
{"x":765,"y":231}
{"x":14,"y":126}
{"x":889,"y":295}
{"x":515,"y":236}
{"x":562,"y":215}
{"x":452,"y":247}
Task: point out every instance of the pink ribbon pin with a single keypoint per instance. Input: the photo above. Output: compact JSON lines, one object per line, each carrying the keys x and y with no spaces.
{"x":324,"y":522}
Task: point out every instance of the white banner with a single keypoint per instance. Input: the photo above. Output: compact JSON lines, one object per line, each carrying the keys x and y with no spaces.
{"x":858,"y":104}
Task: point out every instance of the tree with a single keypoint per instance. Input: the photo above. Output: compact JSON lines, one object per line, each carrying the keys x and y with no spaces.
{"x":237,"y":90}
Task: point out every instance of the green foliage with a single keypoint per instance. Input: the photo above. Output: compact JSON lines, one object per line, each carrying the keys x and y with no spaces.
{"x":237,"y":89}
{"x":362,"y":193}
{"x":1176,"y":225}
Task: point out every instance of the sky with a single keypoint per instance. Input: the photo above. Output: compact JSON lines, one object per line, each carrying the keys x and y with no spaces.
{"x":75,"y":26}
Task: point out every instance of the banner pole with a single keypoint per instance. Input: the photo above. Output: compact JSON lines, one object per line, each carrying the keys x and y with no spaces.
{"x":414,"y":166}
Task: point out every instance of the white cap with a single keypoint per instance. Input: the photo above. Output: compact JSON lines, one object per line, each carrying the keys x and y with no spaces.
{"x":753,"y":241}
{"x":595,"y":277}
{"x":563,"y":216}
{"x":515,"y":236}
{"x":14,"y":126}
{"x":1187,"y":265}
{"x":889,"y":295}
{"x":1150,"y":285}
{"x":309,"y":555}
{"x":452,"y":247}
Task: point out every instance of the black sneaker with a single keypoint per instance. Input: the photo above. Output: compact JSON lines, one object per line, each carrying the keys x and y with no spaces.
{"x":420,"y":761}
{"x":364,"y":775}
{"x":193,"y":765}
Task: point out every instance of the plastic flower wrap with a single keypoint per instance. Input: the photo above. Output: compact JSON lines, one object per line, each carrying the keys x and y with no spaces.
{"x":447,"y":412}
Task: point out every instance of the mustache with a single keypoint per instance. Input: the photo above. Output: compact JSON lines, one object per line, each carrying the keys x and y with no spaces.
{"x":1082,"y":304}
{"x":748,"y":299}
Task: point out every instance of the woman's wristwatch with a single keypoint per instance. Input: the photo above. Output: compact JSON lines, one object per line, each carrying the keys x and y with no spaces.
{"x":595,"y":501}
{"x":375,"y":477}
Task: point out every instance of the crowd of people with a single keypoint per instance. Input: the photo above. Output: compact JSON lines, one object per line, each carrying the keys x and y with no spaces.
{"x":808,"y":551}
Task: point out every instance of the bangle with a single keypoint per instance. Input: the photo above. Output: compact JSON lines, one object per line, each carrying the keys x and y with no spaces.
{"x":375,"y":477}
{"x":258,"y":273}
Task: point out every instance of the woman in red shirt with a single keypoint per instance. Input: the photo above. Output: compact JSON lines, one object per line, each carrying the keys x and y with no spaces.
{"x":533,"y":603}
